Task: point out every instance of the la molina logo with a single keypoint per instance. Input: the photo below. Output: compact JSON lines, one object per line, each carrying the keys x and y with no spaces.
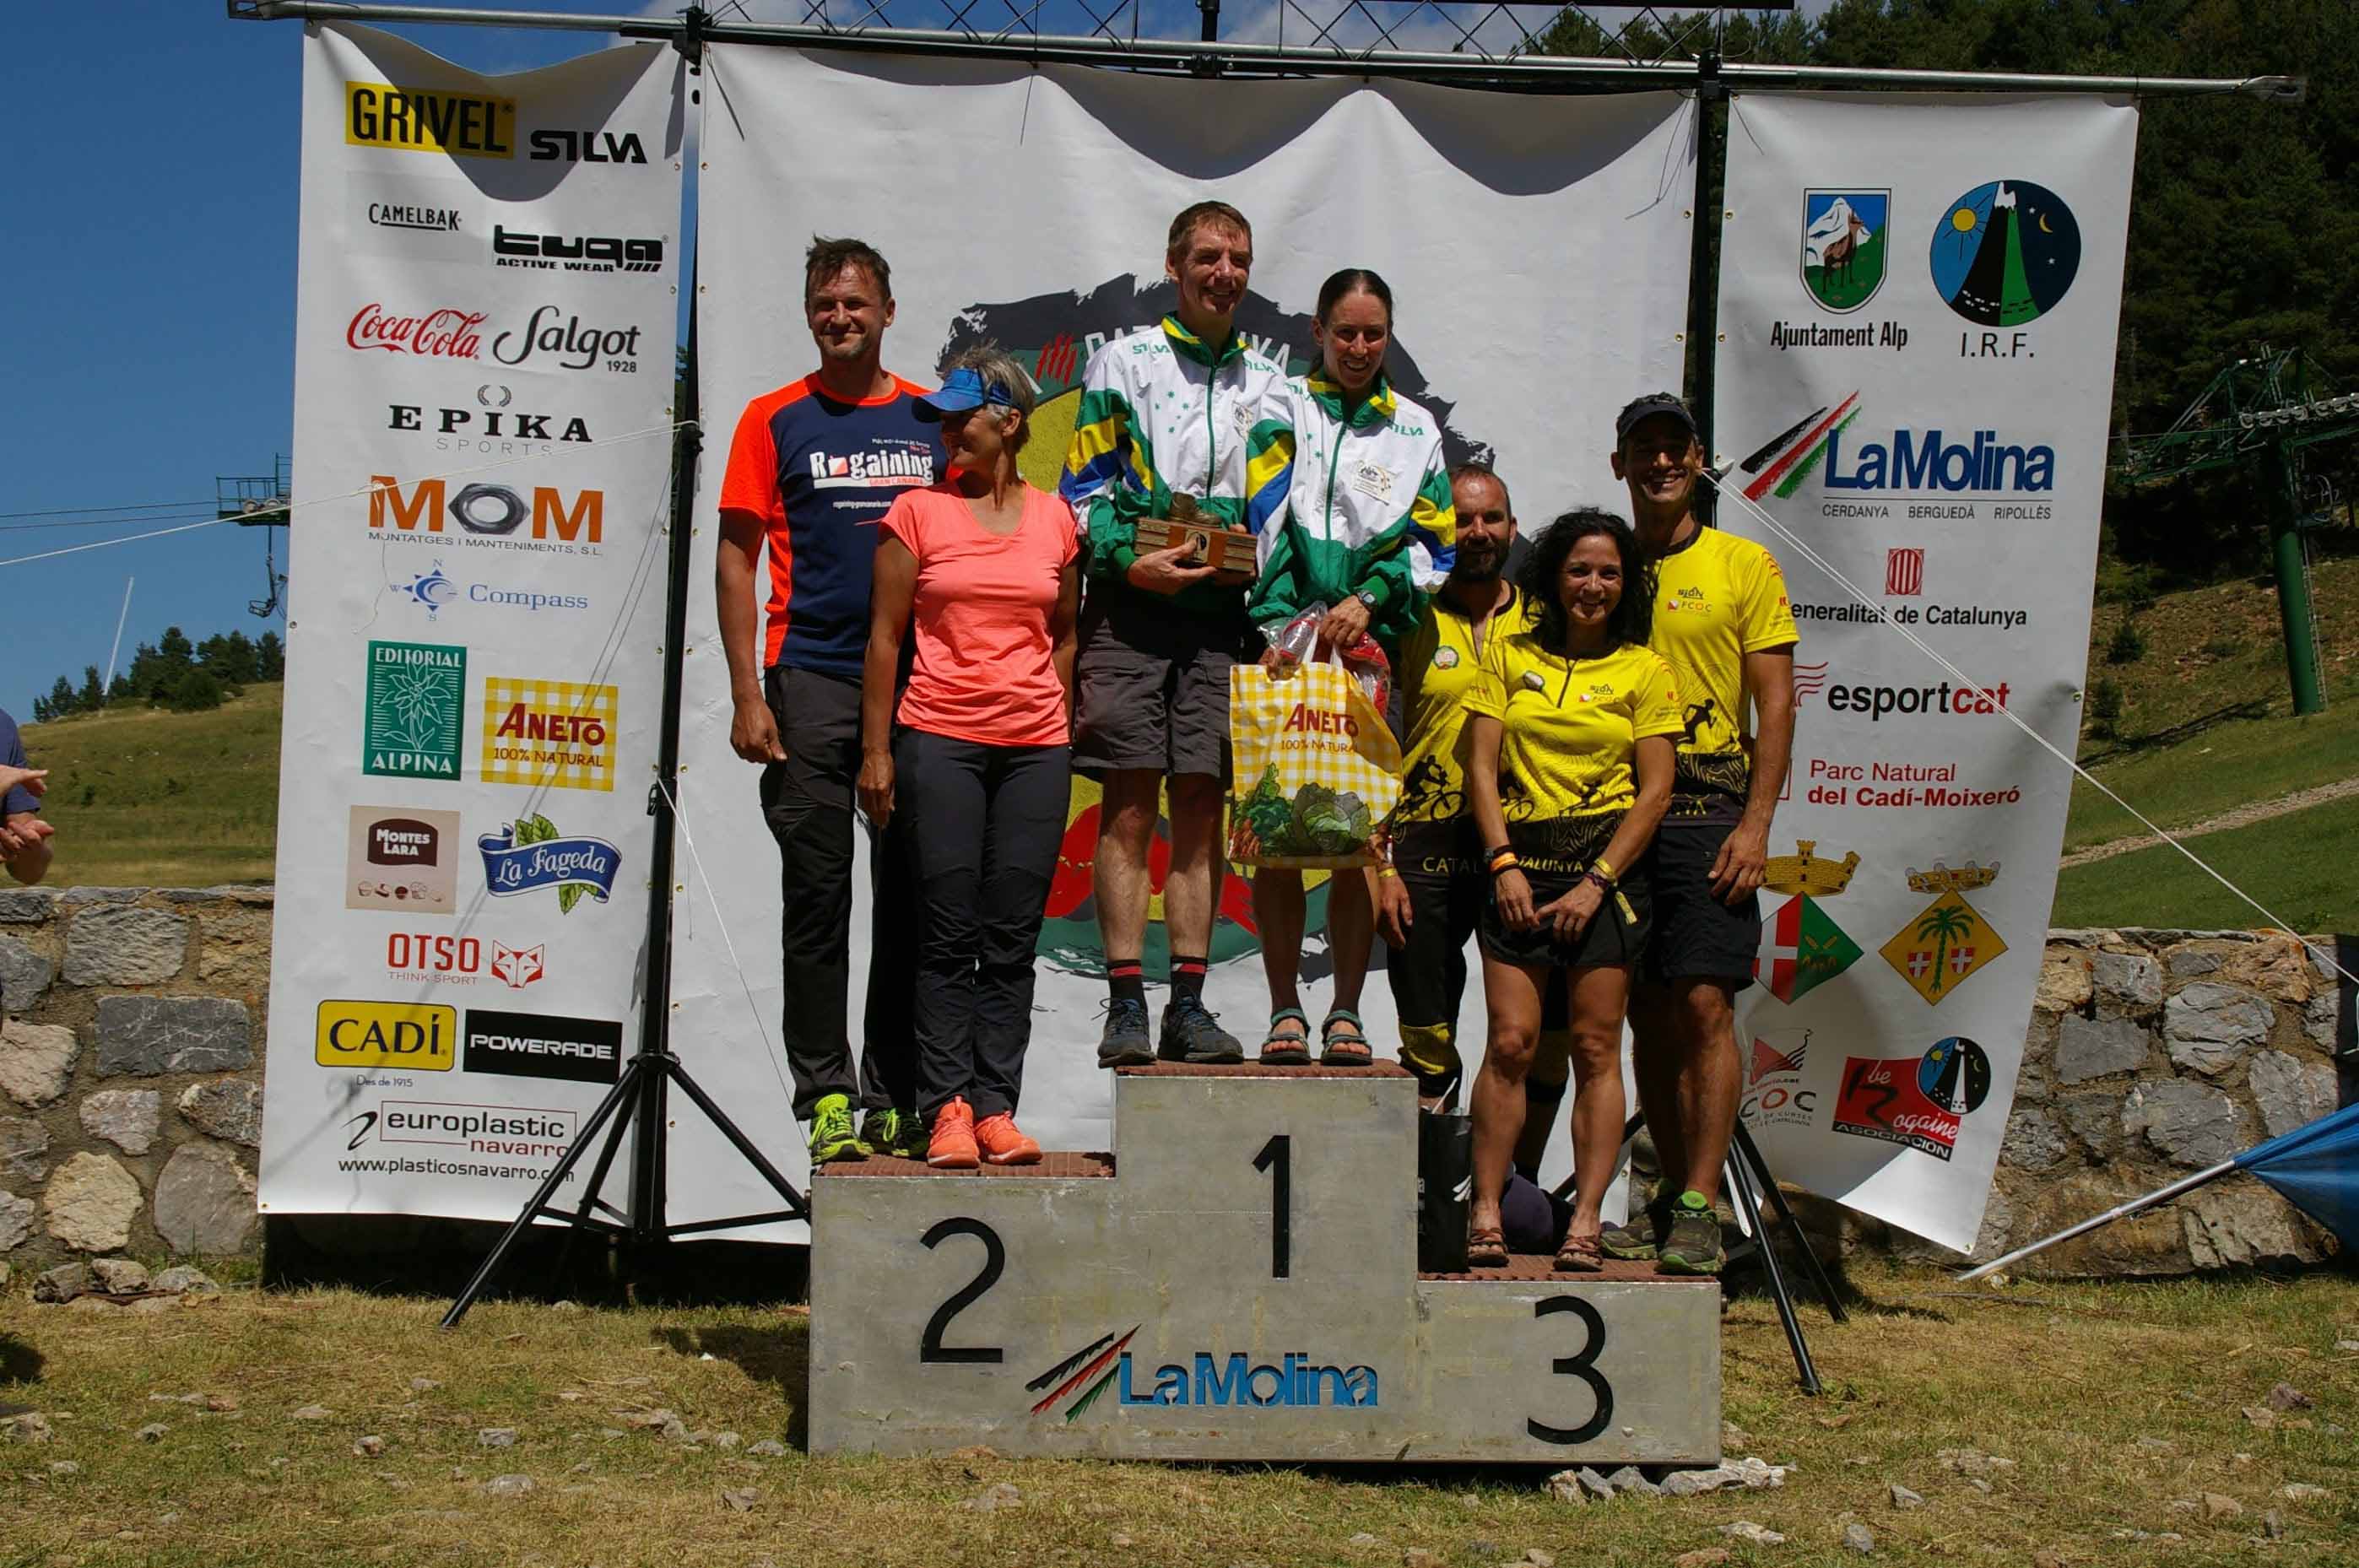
{"x":1931,"y":461}
{"x":1295,"y":1381}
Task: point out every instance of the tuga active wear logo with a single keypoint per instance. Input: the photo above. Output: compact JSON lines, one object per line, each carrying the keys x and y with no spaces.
{"x":530,"y":855}
{"x":487,"y":515}
{"x":422,"y":119}
{"x":574,"y":253}
{"x":1295,"y":1381}
{"x":416,"y":1035}
{"x":1931,"y":461}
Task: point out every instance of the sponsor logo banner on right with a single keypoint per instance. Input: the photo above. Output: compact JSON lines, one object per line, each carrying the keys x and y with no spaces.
{"x":1922,"y":401}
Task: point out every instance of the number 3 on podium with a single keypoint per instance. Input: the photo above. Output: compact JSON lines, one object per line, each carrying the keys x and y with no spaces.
{"x":1582,"y":1366}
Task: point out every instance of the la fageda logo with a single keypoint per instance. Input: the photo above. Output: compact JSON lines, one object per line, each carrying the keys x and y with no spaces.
{"x":1843,"y":235}
{"x":2005,"y":252}
{"x":1053,"y":336}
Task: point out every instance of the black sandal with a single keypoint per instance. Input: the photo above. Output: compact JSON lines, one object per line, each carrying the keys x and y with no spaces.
{"x":1291,"y":1049}
{"x":1342,"y":1043}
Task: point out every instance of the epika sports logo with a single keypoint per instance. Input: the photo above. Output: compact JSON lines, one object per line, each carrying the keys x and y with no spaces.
{"x":445,"y":333}
{"x":420,"y":1036}
{"x":402,"y":860}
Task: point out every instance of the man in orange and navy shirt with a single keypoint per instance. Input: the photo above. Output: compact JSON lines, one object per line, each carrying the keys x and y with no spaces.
{"x":812,"y":470}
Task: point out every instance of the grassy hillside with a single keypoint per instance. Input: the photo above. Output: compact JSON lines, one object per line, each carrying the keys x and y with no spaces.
{"x":143,"y":796}
{"x":2298,"y":866}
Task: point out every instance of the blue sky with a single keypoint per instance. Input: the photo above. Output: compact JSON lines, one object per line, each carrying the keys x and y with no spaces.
{"x":149,"y":306}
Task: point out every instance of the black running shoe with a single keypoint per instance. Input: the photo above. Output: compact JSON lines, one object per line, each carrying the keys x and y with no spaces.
{"x":1638,"y":1239}
{"x":1692,"y":1244}
{"x":1125,"y":1042}
{"x":1191,"y":1034}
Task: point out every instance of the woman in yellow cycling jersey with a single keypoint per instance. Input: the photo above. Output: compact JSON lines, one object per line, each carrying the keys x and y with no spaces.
{"x":1569,"y":744}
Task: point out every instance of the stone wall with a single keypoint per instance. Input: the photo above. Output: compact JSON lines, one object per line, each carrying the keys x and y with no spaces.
{"x":131,"y":1086}
{"x":130,"y":1070}
{"x":2152,"y":1055}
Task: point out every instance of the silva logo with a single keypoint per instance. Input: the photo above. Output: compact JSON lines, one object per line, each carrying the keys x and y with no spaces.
{"x":1925,"y":462}
{"x":1295,"y":1381}
{"x":596,"y":252}
{"x":586,"y":146}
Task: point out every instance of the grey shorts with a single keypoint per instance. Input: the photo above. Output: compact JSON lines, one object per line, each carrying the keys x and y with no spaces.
{"x":1151,"y":687}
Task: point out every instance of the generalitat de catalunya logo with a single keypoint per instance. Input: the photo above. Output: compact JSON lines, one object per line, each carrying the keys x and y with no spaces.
{"x":2006,"y":252}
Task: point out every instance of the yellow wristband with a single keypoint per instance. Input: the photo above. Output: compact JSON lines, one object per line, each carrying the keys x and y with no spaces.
{"x":1605,"y":868}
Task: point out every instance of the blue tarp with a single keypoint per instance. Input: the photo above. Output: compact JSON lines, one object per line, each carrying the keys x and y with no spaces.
{"x":2316,"y":1169}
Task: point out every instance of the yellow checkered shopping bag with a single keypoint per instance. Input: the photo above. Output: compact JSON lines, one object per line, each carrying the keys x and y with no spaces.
{"x":1317,"y":768}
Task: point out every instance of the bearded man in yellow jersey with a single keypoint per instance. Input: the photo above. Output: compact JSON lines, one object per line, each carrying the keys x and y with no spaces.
{"x":1431,"y":896}
{"x":1723,"y":624}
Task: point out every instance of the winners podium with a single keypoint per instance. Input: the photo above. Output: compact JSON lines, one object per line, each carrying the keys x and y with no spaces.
{"x":1237,"y":1281}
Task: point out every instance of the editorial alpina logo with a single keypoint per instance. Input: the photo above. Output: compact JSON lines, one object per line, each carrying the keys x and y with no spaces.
{"x":417,"y":693}
{"x":2006,"y":252}
{"x":1844,"y":245}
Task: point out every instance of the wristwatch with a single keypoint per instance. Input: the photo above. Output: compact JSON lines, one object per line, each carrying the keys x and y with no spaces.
{"x":1367,"y":597}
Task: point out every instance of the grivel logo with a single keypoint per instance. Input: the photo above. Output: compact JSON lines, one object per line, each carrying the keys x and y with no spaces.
{"x":2005,"y":252}
{"x":1844,"y":245}
{"x":418,"y":119}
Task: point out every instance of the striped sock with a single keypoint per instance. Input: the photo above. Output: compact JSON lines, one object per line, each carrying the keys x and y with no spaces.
{"x":1187,"y":979}
{"x":1127,"y":981}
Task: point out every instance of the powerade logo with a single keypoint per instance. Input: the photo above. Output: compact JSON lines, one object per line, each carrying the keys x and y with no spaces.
{"x":1923,"y":461}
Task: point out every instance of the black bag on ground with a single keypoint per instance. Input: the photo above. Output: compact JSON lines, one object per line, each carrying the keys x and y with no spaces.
{"x":1445,"y":1187}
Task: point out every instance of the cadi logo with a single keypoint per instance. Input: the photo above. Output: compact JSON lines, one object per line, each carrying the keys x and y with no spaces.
{"x":419,"y":1035}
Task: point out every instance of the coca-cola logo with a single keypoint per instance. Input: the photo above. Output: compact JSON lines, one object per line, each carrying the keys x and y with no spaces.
{"x":437,"y":334}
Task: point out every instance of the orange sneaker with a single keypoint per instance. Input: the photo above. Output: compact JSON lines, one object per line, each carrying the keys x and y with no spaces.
{"x":1002,"y":1142}
{"x":951,"y":1146}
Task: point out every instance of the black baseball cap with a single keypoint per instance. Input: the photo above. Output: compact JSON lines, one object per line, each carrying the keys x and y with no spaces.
{"x":1646,"y":408}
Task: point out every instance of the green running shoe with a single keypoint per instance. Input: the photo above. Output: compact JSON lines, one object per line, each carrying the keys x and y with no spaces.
{"x":1692,"y":1247}
{"x":832,"y":1136}
{"x":1637,"y":1239}
{"x":901,"y":1134}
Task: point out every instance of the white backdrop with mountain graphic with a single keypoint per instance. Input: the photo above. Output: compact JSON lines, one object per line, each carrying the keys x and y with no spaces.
{"x":1537,"y":250}
{"x":1924,"y":408}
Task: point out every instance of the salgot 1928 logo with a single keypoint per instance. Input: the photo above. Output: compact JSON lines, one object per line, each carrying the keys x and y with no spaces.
{"x":1843,"y":246}
{"x":553,"y":733}
{"x":421,"y":1035}
{"x":424,"y":119}
{"x":417,"y":696}
{"x":2006,"y":252}
{"x":402,"y":860}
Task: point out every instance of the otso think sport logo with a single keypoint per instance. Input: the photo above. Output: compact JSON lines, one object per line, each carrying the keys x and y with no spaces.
{"x":415,"y":1035}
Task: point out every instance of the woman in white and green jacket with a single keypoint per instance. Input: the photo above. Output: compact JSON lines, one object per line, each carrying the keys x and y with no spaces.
{"x":1365,"y":531}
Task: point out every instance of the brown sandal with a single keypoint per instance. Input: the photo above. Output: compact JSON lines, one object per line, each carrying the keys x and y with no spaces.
{"x":1486,"y":1248}
{"x":1580,"y":1254}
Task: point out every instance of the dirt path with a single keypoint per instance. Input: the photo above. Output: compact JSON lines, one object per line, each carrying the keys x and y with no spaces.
{"x":2256,"y":811}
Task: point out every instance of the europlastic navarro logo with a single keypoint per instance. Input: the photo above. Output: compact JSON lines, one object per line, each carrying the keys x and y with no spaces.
{"x":1932,"y":460}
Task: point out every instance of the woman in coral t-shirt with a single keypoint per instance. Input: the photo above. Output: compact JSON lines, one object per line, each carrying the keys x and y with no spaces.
{"x":979,"y":752}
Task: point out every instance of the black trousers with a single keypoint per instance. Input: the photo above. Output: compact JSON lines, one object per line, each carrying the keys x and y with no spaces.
{"x":983,"y":823}
{"x":808,"y":803}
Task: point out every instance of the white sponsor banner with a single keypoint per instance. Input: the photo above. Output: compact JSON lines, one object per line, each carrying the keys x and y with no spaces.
{"x":1918,"y":302}
{"x":485,"y":311}
{"x":1538,"y":248}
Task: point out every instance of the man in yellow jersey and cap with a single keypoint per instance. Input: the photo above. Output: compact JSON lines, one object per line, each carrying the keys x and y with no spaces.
{"x":1722,"y":623}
